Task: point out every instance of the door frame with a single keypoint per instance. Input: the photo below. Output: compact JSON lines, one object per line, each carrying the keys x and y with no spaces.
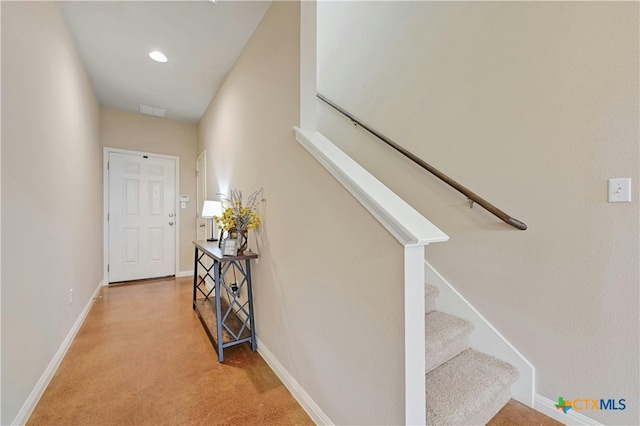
{"x":202,"y":155}
{"x":105,"y":205}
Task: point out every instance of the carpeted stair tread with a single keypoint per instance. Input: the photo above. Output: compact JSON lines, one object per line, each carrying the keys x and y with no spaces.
{"x":445,"y":337}
{"x":469,"y":389}
{"x":430,"y":296}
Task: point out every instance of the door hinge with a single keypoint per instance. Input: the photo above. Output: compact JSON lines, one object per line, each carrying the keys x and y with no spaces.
{"x":107,"y":165}
{"x":107,"y":268}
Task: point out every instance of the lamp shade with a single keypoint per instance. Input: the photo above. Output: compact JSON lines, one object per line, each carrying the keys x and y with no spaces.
{"x":211,"y":208}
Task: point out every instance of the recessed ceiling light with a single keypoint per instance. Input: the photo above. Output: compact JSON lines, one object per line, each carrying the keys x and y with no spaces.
{"x":158,"y":56}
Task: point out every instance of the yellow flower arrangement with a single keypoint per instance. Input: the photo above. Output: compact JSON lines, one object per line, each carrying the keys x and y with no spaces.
{"x":239,"y":216}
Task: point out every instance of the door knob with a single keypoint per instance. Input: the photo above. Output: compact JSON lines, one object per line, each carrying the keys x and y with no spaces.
{"x":202,"y":225}
{"x":170,"y":223}
{"x":170,"y":214}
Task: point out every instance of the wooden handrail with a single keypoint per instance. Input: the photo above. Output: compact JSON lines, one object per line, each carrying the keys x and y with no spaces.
{"x":471,"y":196}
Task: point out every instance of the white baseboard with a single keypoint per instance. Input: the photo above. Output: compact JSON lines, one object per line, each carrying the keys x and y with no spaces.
{"x":548,"y":408}
{"x":184,"y":274}
{"x":303,"y":398}
{"x":31,"y":402}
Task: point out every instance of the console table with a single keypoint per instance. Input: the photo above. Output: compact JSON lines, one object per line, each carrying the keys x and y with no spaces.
{"x":227,"y":320}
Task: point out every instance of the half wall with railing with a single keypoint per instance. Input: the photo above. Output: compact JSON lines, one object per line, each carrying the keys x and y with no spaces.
{"x":413,"y":232}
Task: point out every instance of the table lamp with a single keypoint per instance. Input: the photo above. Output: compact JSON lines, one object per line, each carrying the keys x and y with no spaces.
{"x":209,"y":210}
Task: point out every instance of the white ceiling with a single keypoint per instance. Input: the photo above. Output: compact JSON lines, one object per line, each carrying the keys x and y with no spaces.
{"x":201,"y":39}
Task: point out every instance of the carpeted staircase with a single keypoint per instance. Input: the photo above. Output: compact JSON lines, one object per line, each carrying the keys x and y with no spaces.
{"x":464,"y":386}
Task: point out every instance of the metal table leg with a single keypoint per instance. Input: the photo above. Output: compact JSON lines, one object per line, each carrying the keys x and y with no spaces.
{"x":218,"y":281}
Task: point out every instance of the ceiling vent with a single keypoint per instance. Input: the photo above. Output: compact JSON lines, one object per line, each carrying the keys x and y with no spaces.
{"x":156,"y":112}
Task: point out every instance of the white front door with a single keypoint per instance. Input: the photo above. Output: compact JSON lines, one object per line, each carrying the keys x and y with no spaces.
{"x":141,"y":216}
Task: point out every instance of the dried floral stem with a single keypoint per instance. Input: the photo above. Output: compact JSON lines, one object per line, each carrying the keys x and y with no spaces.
{"x":239,"y":216}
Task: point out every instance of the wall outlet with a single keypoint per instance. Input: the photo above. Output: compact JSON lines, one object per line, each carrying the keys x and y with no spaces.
{"x":71,"y":296}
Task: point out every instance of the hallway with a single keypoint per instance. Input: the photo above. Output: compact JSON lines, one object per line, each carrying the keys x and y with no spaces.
{"x":142,"y":357}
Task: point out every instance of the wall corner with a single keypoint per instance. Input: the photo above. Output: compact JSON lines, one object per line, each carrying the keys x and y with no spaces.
{"x":308,"y":12}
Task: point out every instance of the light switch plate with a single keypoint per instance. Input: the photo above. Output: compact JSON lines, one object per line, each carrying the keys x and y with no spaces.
{"x":620,"y":190}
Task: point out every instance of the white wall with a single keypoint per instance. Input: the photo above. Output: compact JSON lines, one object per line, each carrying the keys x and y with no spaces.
{"x":532,"y":105}
{"x":328,"y":284}
{"x":51,"y":194}
{"x":136,"y":132}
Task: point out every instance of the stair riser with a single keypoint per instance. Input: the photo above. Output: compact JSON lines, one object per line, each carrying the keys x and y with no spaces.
{"x":446,"y":336}
{"x":430,"y":305}
{"x":487,"y":414}
{"x":492,"y":408}
{"x":436,"y":359}
{"x":431,"y":294}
